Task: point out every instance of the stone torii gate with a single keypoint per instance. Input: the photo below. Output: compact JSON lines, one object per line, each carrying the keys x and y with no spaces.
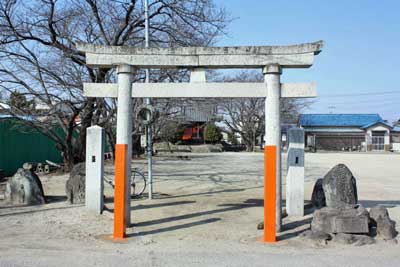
{"x":271,"y":59}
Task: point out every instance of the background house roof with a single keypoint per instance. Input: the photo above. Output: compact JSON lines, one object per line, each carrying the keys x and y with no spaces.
{"x":377,"y":123}
{"x":339,"y":120}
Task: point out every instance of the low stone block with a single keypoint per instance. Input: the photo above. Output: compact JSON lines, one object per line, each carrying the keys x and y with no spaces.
{"x":346,"y":220}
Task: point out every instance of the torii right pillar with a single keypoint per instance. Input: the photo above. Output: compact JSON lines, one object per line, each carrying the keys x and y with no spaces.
{"x":272,"y":78}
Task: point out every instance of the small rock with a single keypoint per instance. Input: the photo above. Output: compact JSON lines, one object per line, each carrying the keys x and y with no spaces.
{"x":361,"y":240}
{"x":376,"y":212}
{"x":386,"y":228}
{"x":348,"y":239}
{"x":318,"y":237}
{"x":318,"y":195}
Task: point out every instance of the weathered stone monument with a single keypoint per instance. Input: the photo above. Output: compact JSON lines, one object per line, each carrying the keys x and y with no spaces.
{"x":340,"y":187}
{"x":295,"y":173}
{"x":343,"y":220}
{"x":271,"y":59}
{"x":24,"y":188}
{"x":94,"y":194}
{"x":75,"y":185}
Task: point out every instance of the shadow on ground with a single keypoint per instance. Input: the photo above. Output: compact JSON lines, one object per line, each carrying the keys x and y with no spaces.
{"x":251,"y":203}
{"x":175,"y":227}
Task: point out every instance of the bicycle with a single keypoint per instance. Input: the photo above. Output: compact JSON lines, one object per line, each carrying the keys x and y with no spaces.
{"x":138,"y":183}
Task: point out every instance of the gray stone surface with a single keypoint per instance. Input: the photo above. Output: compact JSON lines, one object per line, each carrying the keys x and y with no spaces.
{"x":318,"y":195}
{"x":381,"y":224}
{"x":340,"y":187}
{"x":386,"y":228}
{"x":346,"y":220}
{"x":314,"y":48}
{"x":24,"y":188}
{"x":378,"y":211}
{"x":292,"y":56}
{"x":200,"y":90}
{"x":75,"y":185}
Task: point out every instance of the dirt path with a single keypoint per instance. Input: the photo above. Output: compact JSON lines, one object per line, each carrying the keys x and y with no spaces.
{"x":205,"y":214}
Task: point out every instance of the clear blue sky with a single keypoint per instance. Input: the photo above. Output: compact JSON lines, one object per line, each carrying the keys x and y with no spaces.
{"x":358,"y":70}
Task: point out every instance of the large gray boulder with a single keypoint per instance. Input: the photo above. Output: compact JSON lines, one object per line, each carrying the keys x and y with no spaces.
{"x":340,"y":187}
{"x":75,"y":185}
{"x":24,"y":187}
{"x":350,"y":220}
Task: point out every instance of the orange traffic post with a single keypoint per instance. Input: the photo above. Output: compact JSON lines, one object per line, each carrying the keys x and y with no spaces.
{"x":269,"y":194}
{"x":121,"y":152}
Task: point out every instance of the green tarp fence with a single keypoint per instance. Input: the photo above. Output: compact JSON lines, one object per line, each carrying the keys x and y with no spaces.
{"x":18,"y":145}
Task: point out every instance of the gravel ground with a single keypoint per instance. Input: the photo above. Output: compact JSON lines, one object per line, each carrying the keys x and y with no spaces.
{"x":205,"y":213}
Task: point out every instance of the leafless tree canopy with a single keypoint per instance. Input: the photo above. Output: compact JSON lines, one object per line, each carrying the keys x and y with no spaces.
{"x":38,"y":57}
{"x":246,"y":116}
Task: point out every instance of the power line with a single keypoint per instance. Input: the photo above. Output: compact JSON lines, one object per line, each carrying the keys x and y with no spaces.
{"x":356,"y":101}
{"x":362,"y":94}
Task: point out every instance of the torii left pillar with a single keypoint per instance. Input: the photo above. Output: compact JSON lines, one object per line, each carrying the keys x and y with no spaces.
{"x":122,"y":201}
{"x":272,"y":74}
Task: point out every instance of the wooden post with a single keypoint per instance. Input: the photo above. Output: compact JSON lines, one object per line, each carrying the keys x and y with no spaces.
{"x":269,"y":194}
{"x":121,"y":153}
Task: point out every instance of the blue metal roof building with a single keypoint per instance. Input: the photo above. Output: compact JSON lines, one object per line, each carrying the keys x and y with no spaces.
{"x":348,"y":131}
{"x":339,"y":120}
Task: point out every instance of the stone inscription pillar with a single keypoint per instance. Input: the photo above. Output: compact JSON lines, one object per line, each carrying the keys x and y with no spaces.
{"x":94,"y":185}
{"x":295,"y":173}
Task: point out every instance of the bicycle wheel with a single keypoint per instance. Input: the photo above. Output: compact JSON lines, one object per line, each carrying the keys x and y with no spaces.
{"x":138,"y":184}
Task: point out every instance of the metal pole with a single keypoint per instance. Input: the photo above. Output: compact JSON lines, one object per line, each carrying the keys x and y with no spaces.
{"x":149,"y":134}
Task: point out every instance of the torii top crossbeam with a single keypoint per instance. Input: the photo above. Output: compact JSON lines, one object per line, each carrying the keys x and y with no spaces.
{"x":292,"y":56}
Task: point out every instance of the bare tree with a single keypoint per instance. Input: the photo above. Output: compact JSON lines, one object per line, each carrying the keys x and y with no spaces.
{"x":39,"y":59}
{"x":246,"y":116}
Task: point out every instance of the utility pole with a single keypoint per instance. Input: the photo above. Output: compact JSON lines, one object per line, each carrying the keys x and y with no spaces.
{"x":149,"y":134}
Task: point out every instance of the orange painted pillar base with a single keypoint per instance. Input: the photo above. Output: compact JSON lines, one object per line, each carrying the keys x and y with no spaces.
{"x":269,"y":194}
{"x":121,"y":153}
